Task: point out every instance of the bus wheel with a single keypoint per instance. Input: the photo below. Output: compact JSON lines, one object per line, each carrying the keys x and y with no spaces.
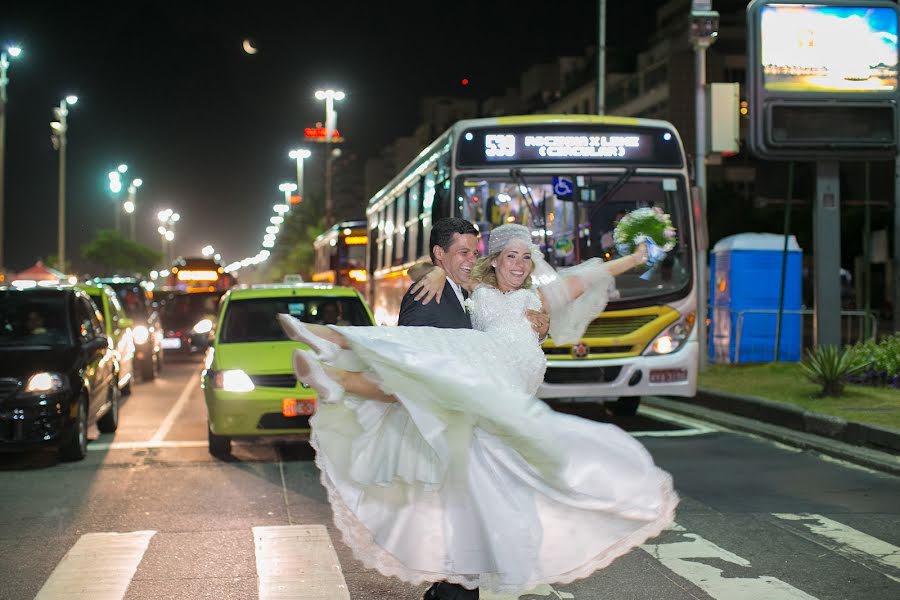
{"x":626,"y":406}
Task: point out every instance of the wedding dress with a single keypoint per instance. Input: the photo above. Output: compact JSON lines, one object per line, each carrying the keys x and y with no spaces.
{"x":470,"y":478}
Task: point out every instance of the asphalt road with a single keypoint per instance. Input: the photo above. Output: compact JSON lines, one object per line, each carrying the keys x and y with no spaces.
{"x":151,"y":515}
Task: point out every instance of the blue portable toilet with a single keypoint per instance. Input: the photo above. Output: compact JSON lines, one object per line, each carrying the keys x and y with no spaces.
{"x":745,"y":277}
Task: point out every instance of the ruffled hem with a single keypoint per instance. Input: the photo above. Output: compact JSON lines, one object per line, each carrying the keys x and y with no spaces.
{"x":373,"y":556}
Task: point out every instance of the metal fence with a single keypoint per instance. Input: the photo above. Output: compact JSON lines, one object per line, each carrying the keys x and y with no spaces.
{"x":854,"y":324}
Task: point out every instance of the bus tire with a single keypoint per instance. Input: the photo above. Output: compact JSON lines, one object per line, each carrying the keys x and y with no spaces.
{"x":625,"y":406}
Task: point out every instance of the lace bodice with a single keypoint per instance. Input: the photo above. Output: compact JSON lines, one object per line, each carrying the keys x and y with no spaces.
{"x":502,"y":317}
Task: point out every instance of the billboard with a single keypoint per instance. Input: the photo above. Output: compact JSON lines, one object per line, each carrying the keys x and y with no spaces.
{"x":822,"y":79}
{"x":817,"y":48}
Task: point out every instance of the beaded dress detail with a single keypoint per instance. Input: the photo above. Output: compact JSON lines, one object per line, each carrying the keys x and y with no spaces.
{"x":470,"y":478}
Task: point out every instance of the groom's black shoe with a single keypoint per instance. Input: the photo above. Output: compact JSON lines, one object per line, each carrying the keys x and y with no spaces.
{"x":449,"y":591}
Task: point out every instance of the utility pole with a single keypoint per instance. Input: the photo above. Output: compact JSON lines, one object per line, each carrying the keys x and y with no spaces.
{"x":601,"y":58}
{"x":704,"y":29}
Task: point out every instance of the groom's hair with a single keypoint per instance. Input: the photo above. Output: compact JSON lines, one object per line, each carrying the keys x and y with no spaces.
{"x":442,"y":232}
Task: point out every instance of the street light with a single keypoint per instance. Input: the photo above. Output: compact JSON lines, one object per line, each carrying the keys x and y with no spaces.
{"x":299,"y":155}
{"x":329,"y":96}
{"x":166,"y":230}
{"x":131,"y":204}
{"x":208,"y":251}
{"x":287,"y":188}
{"x":58,"y":128}
{"x":11,"y":52}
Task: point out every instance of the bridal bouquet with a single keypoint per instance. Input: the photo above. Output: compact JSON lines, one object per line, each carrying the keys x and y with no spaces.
{"x":644,"y":225}
{"x":648,"y":225}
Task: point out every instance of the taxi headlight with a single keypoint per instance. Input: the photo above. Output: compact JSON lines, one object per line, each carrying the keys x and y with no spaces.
{"x":672,"y":338}
{"x":203,"y":326}
{"x":233,"y":380}
{"x":45,"y":382}
{"x":141,"y":334}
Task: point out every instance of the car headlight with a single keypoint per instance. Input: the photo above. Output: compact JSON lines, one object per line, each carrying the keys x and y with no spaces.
{"x":45,"y":382}
{"x":141,"y":334}
{"x":232,"y":380}
{"x":672,"y":338}
{"x":204,"y":326}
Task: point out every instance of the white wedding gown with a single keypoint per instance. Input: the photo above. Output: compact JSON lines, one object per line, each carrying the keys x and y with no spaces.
{"x":470,"y":478}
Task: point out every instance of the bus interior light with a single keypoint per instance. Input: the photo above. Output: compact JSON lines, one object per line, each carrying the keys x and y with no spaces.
{"x":356,"y":240}
{"x":358,"y":275}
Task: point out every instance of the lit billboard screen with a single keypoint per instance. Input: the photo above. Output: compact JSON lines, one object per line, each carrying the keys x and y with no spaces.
{"x":828,"y":49}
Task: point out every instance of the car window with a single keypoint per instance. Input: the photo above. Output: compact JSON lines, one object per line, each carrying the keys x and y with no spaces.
{"x":33,"y":319}
{"x":115,"y":309}
{"x":84,"y":312}
{"x":256,"y":320}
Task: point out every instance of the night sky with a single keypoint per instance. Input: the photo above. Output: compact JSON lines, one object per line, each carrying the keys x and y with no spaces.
{"x":167,"y":88}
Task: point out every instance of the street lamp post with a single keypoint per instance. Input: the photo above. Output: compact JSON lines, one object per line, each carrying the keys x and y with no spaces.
{"x":131,"y":204}
{"x":299,"y":155}
{"x":287,"y":188}
{"x":59,"y":126}
{"x":167,"y":219}
{"x":13,"y":51}
{"x":115,"y":186}
{"x":329,"y":96}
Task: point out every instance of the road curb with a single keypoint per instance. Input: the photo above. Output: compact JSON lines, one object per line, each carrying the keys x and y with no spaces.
{"x":877,"y":460}
{"x":799,"y":419}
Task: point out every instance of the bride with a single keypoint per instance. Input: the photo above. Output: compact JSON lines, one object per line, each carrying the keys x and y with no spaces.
{"x":440,"y":462}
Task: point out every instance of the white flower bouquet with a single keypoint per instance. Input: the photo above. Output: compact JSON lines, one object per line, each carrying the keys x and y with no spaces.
{"x":651,"y":225}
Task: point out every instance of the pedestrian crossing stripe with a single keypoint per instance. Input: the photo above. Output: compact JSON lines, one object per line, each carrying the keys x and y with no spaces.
{"x":300,"y":562}
{"x":850,"y":543}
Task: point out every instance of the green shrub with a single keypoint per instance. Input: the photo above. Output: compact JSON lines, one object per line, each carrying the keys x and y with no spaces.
{"x":830,"y":367}
{"x":883,"y":359}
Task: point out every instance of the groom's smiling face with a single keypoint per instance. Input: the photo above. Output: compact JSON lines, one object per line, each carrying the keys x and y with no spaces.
{"x":459,"y":257}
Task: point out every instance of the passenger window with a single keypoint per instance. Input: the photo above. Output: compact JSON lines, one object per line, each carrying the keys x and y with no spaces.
{"x":85,"y":313}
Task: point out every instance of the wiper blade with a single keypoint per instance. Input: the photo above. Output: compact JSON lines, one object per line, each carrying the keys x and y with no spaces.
{"x":613,"y":189}
{"x":536,"y":217}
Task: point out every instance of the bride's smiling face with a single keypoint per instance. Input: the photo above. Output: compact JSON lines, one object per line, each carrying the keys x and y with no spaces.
{"x":513,"y":266}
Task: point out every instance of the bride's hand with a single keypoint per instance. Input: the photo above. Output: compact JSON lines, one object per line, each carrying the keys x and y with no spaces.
{"x":641,"y":254}
{"x":431,"y":285}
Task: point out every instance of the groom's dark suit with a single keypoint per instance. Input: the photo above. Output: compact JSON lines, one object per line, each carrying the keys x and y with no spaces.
{"x":449,"y":314}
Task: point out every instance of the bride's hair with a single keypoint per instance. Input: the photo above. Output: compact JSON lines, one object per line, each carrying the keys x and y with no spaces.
{"x":483,"y":272}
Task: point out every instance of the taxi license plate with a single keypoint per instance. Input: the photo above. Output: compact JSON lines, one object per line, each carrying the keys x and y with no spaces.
{"x":171,"y":343}
{"x":298,"y":407}
{"x":668,"y":375}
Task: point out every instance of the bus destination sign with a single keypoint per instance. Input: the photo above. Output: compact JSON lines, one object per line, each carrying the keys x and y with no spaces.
{"x":518,"y":145}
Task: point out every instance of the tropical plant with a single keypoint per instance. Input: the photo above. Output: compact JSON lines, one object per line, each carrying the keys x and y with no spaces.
{"x":830,"y":366}
{"x":883,"y":359}
{"x":120,"y":255}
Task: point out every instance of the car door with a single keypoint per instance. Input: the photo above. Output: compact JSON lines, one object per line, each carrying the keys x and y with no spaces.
{"x":122,"y":336}
{"x":98,"y":358}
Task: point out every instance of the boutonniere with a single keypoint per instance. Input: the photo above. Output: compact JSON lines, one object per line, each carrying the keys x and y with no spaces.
{"x":468,"y":305}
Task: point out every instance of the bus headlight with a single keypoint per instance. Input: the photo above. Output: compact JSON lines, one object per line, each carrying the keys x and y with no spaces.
{"x":673,"y":337}
{"x":203,"y":326}
{"x":141,"y":335}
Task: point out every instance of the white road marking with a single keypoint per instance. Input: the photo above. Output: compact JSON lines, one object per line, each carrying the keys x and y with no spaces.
{"x":691,"y":426}
{"x":298,"y":562}
{"x":98,"y":567}
{"x":146,"y":444}
{"x":850,"y":543}
{"x":169,"y":421}
{"x":684,"y":558}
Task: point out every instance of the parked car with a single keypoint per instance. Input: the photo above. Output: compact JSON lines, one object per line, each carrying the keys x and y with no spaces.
{"x":118,"y":327}
{"x":58,"y":370}
{"x":139,"y":306}
{"x":189,"y":321}
{"x":249,"y":383}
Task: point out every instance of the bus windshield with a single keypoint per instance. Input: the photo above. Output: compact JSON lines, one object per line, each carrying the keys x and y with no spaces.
{"x":573,"y":227}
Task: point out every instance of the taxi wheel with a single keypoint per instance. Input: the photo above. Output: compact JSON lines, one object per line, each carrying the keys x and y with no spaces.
{"x":148,"y":369}
{"x":626,"y":406}
{"x":109,"y":422}
{"x":219,"y":445}
{"x":74,"y":443}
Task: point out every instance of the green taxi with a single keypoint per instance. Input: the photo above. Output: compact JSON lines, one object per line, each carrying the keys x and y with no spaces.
{"x":118,"y":328}
{"x":248,"y":380}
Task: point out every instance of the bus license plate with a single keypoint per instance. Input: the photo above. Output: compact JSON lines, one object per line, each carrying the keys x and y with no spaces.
{"x":298,"y":407}
{"x":668,"y":375}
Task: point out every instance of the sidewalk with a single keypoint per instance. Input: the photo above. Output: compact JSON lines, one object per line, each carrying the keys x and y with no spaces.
{"x":871,"y":446}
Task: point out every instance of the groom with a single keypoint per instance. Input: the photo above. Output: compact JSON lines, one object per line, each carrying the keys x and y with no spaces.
{"x":453,"y":246}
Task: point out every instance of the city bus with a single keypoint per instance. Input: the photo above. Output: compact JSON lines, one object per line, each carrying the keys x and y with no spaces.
{"x":568,"y":178}
{"x":198,"y":274}
{"x":340,"y":255}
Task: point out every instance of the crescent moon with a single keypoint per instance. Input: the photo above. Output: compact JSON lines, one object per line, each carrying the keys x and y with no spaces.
{"x":248,"y":47}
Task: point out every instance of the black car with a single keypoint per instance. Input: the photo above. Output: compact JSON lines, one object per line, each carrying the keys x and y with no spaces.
{"x":148,"y":334}
{"x":58,"y":370}
{"x":189,"y":321}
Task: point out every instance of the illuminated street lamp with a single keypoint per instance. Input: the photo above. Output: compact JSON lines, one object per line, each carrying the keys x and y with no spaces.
{"x":299,"y":155}
{"x":11,"y":52}
{"x":208,"y":251}
{"x":59,"y":126}
{"x":166,"y":230}
{"x":287,"y":188}
{"x":131,"y":203}
{"x":281,"y":209}
{"x":329,"y":96}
